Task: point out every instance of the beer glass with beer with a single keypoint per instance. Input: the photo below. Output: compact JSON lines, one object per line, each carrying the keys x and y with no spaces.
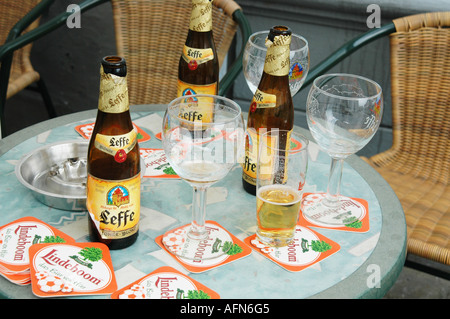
{"x":281,"y":174}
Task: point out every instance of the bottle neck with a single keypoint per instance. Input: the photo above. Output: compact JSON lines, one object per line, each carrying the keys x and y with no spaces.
{"x":113,"y":123}
{"x":277,"y":56}
{"x":201,"y":16}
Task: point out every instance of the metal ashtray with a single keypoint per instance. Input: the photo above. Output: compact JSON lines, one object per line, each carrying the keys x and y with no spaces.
{"x":57,"y":174}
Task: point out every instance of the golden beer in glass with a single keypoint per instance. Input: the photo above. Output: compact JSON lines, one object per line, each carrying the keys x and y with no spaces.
{"x":281,"y":172}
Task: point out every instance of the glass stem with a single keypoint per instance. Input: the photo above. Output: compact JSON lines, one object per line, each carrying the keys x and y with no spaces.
{"x":334,"y":182}
{"x":198,"y":230}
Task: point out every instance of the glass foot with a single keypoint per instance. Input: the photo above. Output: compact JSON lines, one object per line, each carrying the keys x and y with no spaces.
{"x":215,"y":243}
{"x":346,"y":211}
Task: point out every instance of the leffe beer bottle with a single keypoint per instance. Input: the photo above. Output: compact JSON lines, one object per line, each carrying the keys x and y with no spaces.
{"x":198,"y":69}
{"x":271,"y":106}
{"x":113,"y":162}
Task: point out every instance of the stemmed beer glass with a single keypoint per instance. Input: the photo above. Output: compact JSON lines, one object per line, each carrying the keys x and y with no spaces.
{"x":255,"y":55}
{"x":343,"y":113}
{"x":201,"y":150}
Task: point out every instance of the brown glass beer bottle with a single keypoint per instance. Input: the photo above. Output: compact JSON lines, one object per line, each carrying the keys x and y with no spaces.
{"x":113,"y":162}
{"x":271,"y":106}
{"x":198,"y":69}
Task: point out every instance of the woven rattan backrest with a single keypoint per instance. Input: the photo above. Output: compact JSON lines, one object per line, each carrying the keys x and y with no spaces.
{"x":12,"y":12}
{"x":150,"y":34}
{"x":420,"y":83}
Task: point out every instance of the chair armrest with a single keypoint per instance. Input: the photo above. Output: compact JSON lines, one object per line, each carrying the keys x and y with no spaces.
{"x":347,"y":49}
{"x":236,"y":66}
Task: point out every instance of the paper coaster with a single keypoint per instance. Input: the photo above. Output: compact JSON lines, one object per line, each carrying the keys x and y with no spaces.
{"x":165,"y":283}
{"x":71,"y":269}
{"x":85,"y":130}
{"x":17,"y":236}
{"x":307,"y":248}
{"x":18,"y":279}
{"x":352,"y":217}
{"x":238,"y":251}
{"x":156,"y":164}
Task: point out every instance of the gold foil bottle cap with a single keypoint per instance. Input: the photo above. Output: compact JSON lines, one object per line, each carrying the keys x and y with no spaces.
{"x":278,"y":48}
{"x":113,"y":95}
{"x":201,"y":16}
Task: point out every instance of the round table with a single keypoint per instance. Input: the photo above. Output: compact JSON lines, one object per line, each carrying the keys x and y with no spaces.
{"x":366,"y":266}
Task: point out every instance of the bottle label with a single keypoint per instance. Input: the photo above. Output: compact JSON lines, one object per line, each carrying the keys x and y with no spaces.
{"x":116,"y":145}
{"x":252,"y":144}
{"x":194,"y":111}
{"x":277,"y":57}
{"x":113,"y":95}
{"x":194,"y":57}
{"x":201,"y":16}
{"x":114,"y":206}
{"x":262,"y":100}
{"x":270,"y":161}
{"x":251,"y":156}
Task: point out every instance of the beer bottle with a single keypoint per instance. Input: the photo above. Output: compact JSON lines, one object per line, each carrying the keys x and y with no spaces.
{"x":113,"y":162}
{"x":198,"y":68}
{"x":271,"y":106}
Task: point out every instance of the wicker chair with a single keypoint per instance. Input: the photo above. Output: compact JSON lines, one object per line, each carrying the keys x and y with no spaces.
{"x":17,"y":72}
{"x":417,"y":166}
{"x":150,"y":35}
